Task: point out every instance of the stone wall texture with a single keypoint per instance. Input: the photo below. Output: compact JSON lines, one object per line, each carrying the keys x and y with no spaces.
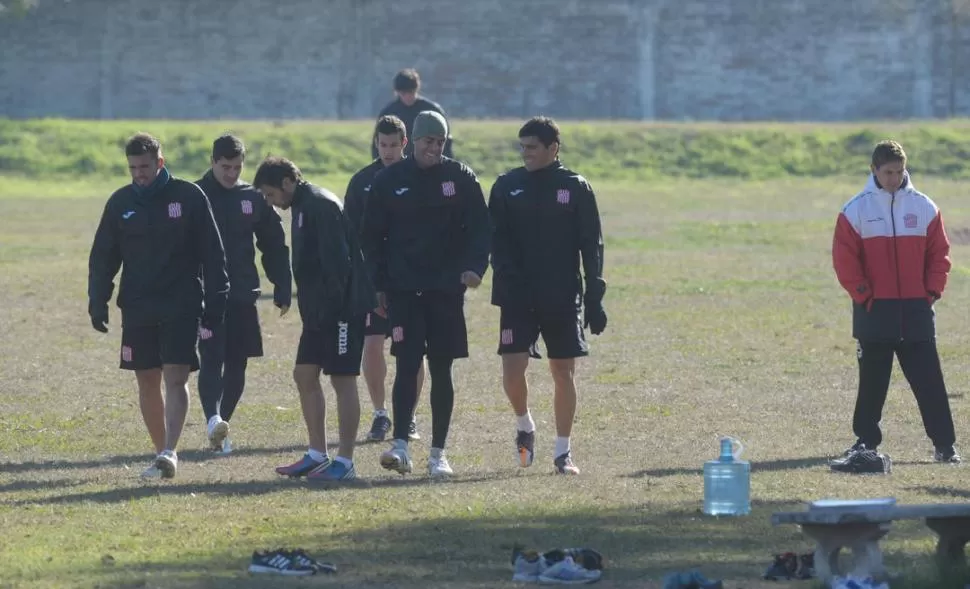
{"x":823,"y":60}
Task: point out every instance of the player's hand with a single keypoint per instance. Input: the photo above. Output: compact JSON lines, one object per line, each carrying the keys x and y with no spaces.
{"x":381,"y":309}
{"x":595,"y":319}
{"x":470,"y":279}
{"x":284,"y":309}
{"x":100,"y":323}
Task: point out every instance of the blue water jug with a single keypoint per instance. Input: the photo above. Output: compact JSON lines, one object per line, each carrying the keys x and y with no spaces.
{"x":727,"y":481}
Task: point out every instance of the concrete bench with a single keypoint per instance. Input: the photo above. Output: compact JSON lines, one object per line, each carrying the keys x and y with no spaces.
{"x":859,"y":526}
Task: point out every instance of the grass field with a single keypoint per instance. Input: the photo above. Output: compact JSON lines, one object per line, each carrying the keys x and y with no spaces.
{"x":725,"y":318}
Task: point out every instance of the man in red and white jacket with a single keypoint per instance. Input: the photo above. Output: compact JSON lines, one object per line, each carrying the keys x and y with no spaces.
{"x":891,"y":254}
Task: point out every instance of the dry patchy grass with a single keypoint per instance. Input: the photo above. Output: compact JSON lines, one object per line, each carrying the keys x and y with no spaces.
{"x":725,"y":318}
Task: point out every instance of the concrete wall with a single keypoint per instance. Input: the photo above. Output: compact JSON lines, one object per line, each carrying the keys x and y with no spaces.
{"x":631,"y":59}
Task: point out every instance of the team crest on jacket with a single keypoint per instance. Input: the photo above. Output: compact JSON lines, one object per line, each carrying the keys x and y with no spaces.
{"x":909,"y":221}
{"x":562,"y":196}
{"x":299,"y":219}
{"x":174,"y":210}
{"x":247,"y":207}
{"x":448,"y":188}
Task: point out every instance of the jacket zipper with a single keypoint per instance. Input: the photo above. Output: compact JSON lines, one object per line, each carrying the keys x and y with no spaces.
{"x":899,"y":288}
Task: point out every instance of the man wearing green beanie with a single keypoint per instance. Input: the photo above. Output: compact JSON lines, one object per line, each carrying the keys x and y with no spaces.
{"x":426,"y":235}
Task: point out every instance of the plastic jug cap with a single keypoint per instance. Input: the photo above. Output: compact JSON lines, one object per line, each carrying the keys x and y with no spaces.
{"x":728,"y":452}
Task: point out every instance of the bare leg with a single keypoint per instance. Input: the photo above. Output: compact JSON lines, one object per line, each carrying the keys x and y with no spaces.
{"x":374,"y":367}
{"x":307,"y":378}
{"x":176,"y":402}
{"x":564,"y":376}
{"x":513,"y":380}
{"x":348,"y":413}
{"x":152,"y":404}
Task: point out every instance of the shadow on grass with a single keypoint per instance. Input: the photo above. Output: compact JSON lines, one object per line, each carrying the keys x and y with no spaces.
{"x":20,"y":486}
{"x":640,"y":544}
{"x":121,"y":460}
{"x":945,"y":491}
{"x":155,"y":488}
{"x":767,"y":466}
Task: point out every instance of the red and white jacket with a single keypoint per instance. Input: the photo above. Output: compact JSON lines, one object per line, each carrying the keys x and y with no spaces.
{"x":891,"y":254}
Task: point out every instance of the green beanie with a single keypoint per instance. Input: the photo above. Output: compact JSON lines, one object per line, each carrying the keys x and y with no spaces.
{"x":428,"y":122}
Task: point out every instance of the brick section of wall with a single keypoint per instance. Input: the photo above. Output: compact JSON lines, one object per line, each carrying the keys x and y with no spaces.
{"x":632,"y":59}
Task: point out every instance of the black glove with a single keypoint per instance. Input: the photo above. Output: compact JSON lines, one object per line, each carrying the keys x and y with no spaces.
{"x":282,"y":297}
{"x":99,"y":319}
{"x":595,"y":318}
{"x":595,"y":315}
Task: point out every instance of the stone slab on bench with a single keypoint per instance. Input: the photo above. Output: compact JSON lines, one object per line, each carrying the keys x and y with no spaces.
{"x":869,"y":512}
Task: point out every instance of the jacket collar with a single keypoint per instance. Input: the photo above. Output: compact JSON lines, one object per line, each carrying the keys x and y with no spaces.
{"x":872,"y":185}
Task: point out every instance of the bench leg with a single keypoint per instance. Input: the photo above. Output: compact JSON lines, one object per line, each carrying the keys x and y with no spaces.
{"x":862,"y":538}
{"x":954,"y":534}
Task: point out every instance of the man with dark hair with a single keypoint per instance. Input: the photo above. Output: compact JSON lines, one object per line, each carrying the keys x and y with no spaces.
{"x":545,"y":218}
{"x":406,"y":106}
{"x":241,"y":213}
{"x":334,"y":295}
{"x":890,"y":252}
{"x":390,"y":137}
{"x":159,"y":230}
{"x":425,"y":235}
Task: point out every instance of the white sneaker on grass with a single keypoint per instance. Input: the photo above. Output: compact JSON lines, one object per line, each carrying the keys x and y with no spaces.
{"x":438,"y":466}
{"x":151,"y":472}
{"x":397,"y":457}
{"x":218,"y":432}
{"x":167,"y":463}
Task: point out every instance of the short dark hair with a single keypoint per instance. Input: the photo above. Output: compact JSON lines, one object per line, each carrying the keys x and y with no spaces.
{"x":273,"y":170}
{"x":142,"y":143}
{"x":407,"y":80}
{"x":228,"y":147}
{"x":887,"y":152}
{"x":543,"y":128}
{"x":389,"y":125}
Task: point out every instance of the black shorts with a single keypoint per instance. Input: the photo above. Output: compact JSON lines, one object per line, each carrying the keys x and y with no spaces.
{"x":377,"y":325}
{"x":144,"y":347}
{"x":336,"y":349}
{"x":430,"y":322}
{"x":238,"y":338}
{"x":561,"y":330}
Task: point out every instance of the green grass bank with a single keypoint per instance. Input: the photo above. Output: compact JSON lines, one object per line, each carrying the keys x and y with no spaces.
{"x":603,"y":151}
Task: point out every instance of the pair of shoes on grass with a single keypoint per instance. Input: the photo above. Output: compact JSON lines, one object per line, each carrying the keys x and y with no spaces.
{"x":789,"y":565}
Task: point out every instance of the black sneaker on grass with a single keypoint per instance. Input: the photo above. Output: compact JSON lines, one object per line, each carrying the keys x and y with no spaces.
{"x":947,"y":455}
{"x":304,"y":559}
{"x":859,"y":445}
{"x":864,"y":461}
{"x":279,"y":562}
{"x":378,"y":429}
{"x":784,"y":567}
{"x":525,"y":446}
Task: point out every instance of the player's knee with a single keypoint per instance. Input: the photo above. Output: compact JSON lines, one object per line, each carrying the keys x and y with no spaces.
{"x":305,"y":376}
{"x":344,"y":385}
{"x":408,"y":367}
{"x":515,"y":365}
{"x":563,"y":370}
{"x":438,"y":368}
